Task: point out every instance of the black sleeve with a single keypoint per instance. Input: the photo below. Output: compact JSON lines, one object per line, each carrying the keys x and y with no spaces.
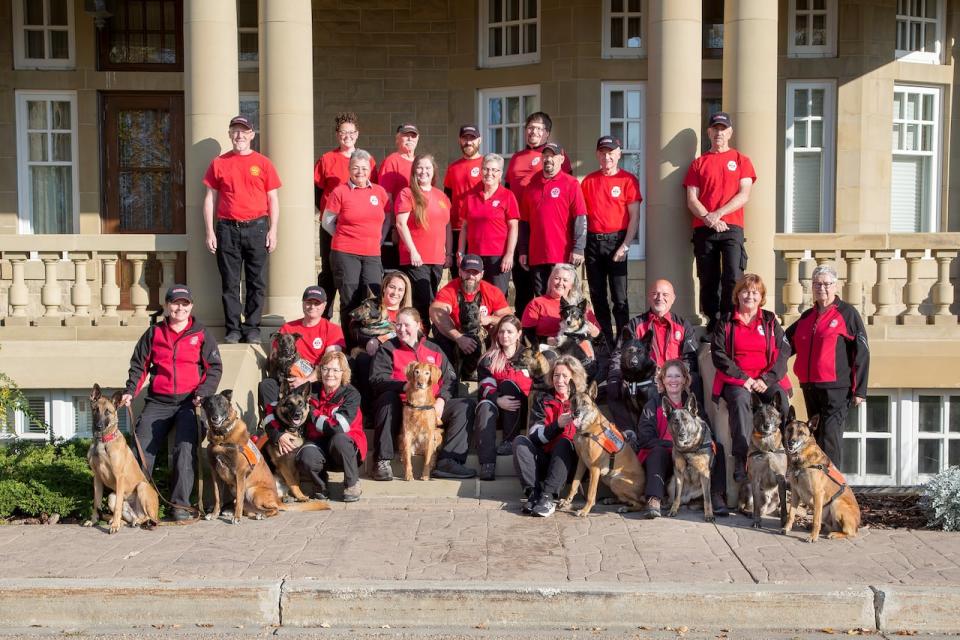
{"x":580,"y":234}
{"x":348,"y":410}
{"x":317,"y":197}
{"x":381,"y":371}
{"x":210,"y":353}
{"x":449,"y":193}
{"x":858,"y":350}
{"x":523,"y":238}
{"x":689,"y":349}
{"x":138,"y":362}
{"x":779,"y":368}
{"x":790,"y":332}
{"x":647,"y":434}
{"x":722,"y":360}
{"x":448,"y":378}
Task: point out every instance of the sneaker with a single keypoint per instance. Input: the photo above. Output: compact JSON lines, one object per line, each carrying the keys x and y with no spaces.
{"x":384,"y":471}
{"x":181,"y":515}
{"x":505,"y":448}
{"x":352,"y":493}
{"x":530,"y":501}
{"x":449,"y":468}
{"x":232,"y":337}
{"x":252,"y":336}
{"x":653,"y":509}
{"x":719,"y":503}
{"x":545,"y":506}
{"x":488,"y":471}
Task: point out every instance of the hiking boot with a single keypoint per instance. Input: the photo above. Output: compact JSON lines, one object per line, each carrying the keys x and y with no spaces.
{"x":352,"y":493}
{"x":545,"y":506}
{"x":505,"y":448}
{"x":232,"y":337}
{"x":384,"y":471}
{"x":488,"y":471}
{"x":530,"y":501}
{"x":181,"y":515}
{"x":653,"y":509}
{"x":739,"y":471}
{"x":450,"y":468}
{"x":719,"y":502}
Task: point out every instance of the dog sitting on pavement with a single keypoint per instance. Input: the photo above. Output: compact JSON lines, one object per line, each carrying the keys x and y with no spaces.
{"x":421,"y":425}
{"x":766,"y":465}
{"x":817,"y":483}
{"x":133,"y":499}
{"x":289,"y":416}
{"x":693,"y":453}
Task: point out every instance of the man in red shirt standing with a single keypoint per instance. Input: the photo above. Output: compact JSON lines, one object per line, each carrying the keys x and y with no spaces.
{"x":242,"y":188}
{"x":718,"y":185}
{"x":394,"y":178}
{"x":553,"y":219}
{"x":462,"y":176}
{"x":613,"y":202}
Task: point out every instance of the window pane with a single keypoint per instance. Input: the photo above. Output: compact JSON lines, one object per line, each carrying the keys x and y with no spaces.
{"x":818,"y":37}
{"x":531,"y":44}
{"x":38,"y":147}
{"x":246,"y":13}
{"x":800,"y":133}
{"x":512,"y":47}
{"x":816,"y":134}
{"x":800,"y":29}
{"x":803,"y":5}
{"x":927,"y":107}
{"x":513,"y":140}
{"x":496,"y":114}
{"x":911,"y":138}
{"x":634,"y":6}
{"x":136,"y":51}
{"x":878,"y":414}
{"x":32,"y":12}
{"x":616,"y":130}
{"x":247,"y":43}
{"x":61,"y":147}
{"x":955,"y":413}
{"x":633,"y":135}
{"x":631,"y":163}
{"x":531,"y":104}
{"x":170,"y":15}
{"x":496,"y":42}
{"x":616,"y":105}
{"x":820,"y":5}
{"x":531,"y":11}
{"x":897,"y":137}
{"x":33,"y":41}
{"x":154,"y":14}
{"x":852,"y":425}
{"x":513,"y":110}
{"x":912,"y":107}
{"x":634,"y":37}
{"x":58,"y":12}
{"x":915,"y":36}
{"x":898,"y":106}
{"x":513,"y":9}
{"x":36,"y":114}
{"x":154,"y":47}
{"x":929,"y":456}
{"x":807,"y":203}
{"x":878,"y":456}
{"x":616,"y":32}
{"x":926,"y":137}
{"x":800,"y":101}
{"x":633,"y":105}
{"x":51,"y":194}
{"x":816,"y":102}
{"x":134,"y":16}
{"x":930,"y":421}
{"x":616,"y":6}
{"x":931,"y":11}
{"x":495,"y":12}
{"x":59,"y":45}
{"x":930,"y":37}
{"x":145,"y":200}
{"x":954,"y":453}
{"x":851,"y":455}
{"x":144,"y":139}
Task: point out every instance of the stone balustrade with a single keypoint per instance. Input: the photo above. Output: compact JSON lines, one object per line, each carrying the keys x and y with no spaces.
{"x":89,"y":293}
{"x":892,"y":278}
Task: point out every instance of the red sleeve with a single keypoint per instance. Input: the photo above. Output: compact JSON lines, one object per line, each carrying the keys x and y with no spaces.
{"x":495,"y":298}
{"x":746,"y":168}
{"x":579,"y":205}
{"x":447,"y":295}
{"x":633,"y":190}
{"x":272,"y":179}
{"x":531,"y":315}
{"x":447,"y":180}
{"x":513,"y":209}
{"x":405,"y":201}
{"x":335,"y":200}
{"x":442,"y":197}
{"x":317,"y":178}
{"x":335,"y":336}
{"x":692,"y":178}
{"x":210,"y":178}
{"x":374,"y":174}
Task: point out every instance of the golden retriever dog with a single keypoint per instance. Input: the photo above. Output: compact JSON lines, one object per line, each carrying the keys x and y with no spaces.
{"x":421,"y":433}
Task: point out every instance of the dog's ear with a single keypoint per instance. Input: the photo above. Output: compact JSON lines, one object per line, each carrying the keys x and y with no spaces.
{"x":408,"y":371}
{"x":791,"y":414}
{"x":564,"y":304}
{"x":583,"y":305}
{"x":666,"y":405}
{"x":305,"y":390}
{"x":814,"y":422}
{"x":117,"y":397}
{"x":296,"y":336}
{"x":647,"y":338}
{"x":435,"y":375}
{"x":692,"y":404}
{"x":525,"y":343}
{"x":592,"y":390}
{"x":228,"y":394}
{"x":755,"y":401}
{"x":95,"y":393}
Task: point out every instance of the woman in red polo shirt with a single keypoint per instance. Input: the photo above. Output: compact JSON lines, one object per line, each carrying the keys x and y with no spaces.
{"x":355,"y":214}
{"x":489,"y":218}
{"x":423,"y":223}
{"x":750,"y":352}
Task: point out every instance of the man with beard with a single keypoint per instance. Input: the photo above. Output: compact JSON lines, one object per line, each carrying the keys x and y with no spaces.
{"x":445,"y":310}
{"x":462,"y":175}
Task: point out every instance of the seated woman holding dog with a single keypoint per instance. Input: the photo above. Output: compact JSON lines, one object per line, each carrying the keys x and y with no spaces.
{"x":388,"y":377}
{"x":750,"y":352}
{"x":504,"y":388}
{"x":333,"y":434}
{"x":654,"y":443}
{"x":545,"y":458}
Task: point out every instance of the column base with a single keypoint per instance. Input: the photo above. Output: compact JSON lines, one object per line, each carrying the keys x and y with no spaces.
{"x":944,"y":321}
{"x":78,"y":321}
{"x":108,"y":321}
{"x":45,"y":321}
{"x":912,"y":320}
{"x":16,"y":321}
{"x":134,"y":321}
{"x":883,"y":320}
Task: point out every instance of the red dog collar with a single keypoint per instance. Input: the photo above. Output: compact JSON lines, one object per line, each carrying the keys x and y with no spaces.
{"x":112,"y":436}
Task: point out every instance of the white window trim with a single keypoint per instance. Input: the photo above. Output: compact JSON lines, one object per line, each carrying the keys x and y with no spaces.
{"x":827,"y":194}
{"x":20,"y":61}
{"x":610,"y":51}
{"x":486,"y":60}
{"x":59,"y":414}
{"x":896,"y":453}
{"x":925,"y":57}
{"x":912,"y":435}
{"x":24,"y":194}
{"x":930,"y":219}
{"x":483,"y":96}
{"x":638,"y":250}
{"x":828,"y":50}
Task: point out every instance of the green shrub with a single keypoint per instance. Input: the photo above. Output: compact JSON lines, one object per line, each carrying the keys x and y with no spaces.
{"x":41,"y":478}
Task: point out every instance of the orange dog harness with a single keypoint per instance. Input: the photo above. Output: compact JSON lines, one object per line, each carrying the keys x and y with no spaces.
{"x":251,"y":453}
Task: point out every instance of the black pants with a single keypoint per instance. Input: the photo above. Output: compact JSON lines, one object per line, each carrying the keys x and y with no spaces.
{"x":242,"y":250}
{"x":390,"y":251}
{"x":337,"y":453}
{"x":540,"y":275}
{"x":325,"y":277}
{"x":659,"y":470}
{"x":352,"y":274}
{"x":740,"y":412}
{"x":831,"y":405}
{"x":268,"y":392}
{"x":360,"y":368}
{"x":489,"y":414}
{"x":721,"y":261}
{"x":522,"y":287}
{"x":154,"y":425}
{"x":492,"y":273}
{"x":424,"y":281}
{"x":603,"y":271}
{"x":457,"y":418}
{"x":539,"y":469}
{"x":454,"y":271}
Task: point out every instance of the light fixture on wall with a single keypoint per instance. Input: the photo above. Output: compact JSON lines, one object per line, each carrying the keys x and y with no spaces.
{"x":99,"y":10}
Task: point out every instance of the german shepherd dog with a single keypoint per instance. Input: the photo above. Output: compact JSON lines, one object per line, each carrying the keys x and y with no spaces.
{"x":817,"y":483}
{"x":470,"y":326}
{"x":766,"y":465}
{"x":239,"y":465}
{"x":133,"y":500}
{"x":601,"y":449}
{"x":537,"y":364}
{"x":291,"y":414}
{"x":692,"y":456}
{"x":371,"y":320}
{"x":421,"y":433}
{"x":282,"y":358}
{"x":637,"y":371}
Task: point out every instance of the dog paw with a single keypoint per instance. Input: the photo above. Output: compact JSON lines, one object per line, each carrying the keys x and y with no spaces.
{"x":114,"y":528}
{"x":623,"y":509}
{"x":87,"y":523}
{"x":672,"y":513}
{"x":235,"y":520}
{"x":259,"y":516}
{"x":709,"y":519}
{"x":563,"y":505}
{"x":812,"y":539}
{"x":210,"y":516}
{"x":408,"y":478}
{"x":756,"y":524}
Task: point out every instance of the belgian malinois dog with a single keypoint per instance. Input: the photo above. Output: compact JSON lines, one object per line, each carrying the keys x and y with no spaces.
{"x":692,"y":455}
{"x":290,"y":415}
{"x":134,"y":500}
{"x":766,"y":465}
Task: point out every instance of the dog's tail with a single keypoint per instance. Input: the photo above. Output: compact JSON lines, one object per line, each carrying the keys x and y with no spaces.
{"x":313,"y":505}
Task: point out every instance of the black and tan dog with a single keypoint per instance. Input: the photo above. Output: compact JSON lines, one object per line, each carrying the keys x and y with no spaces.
{"x":766,"y":465}
{"x":282,"y":359}
{"x":290,"y":415}
{"x":134,"y":500}
{"x":536,"y":363}
{"x":601,"y":451}
{"x":239,"y":465}
{"x":817,"y":483}
{"x":693,"y":453}
{"x":637,"y":371}
{"x":371,"y":321}
{"x":472,"y":327}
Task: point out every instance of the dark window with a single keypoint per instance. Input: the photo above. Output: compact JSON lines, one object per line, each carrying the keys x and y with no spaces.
{"x":143,"y":35}
{"x":712,"y":28}
{"x":711,"y":101}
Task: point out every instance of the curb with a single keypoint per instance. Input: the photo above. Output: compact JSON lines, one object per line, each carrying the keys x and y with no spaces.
{"x":917,"y":608}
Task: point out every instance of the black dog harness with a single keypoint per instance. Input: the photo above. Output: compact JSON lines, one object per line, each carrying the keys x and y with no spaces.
{"x":419,"y":407}
{"x":634,"y":387}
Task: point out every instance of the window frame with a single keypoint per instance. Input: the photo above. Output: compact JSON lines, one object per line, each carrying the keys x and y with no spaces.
{"x":911,"y":469}
{"x":20,"y":59}
{"x":930,"y":219}
{"x":638,"y":249}
{"x":828,"y":50}
{"x":483,"y":97}
{"x":608,"y":50}
{"x":828,"y":151}
{"x":863,"y":434}
{"x":103,"y":48}
{"x":60,"y":413}
{"x":922,"y":57}
{"x":489,"y":61}
{"x":24,"y":191}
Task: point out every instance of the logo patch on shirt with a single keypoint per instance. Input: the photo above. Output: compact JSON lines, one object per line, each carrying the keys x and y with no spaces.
{"x":431,"y":360}
{"x":760,"y":329}
{"x":615,"y":192}
{"x":555,"y":192}
{"x":484,"y":311}
{"x":833,"y":323}
{"x":374,"y":200}
{"x":317,"y":343}
{"x":442,"y":204}
{"x":474,"y":172}
{"x":195,"y":339}
{"x":676,"y":335}
{"x":732,"y":165}
{"x":496,"y":203}
{"x":535,"y":161}
{"x":255,"y":170}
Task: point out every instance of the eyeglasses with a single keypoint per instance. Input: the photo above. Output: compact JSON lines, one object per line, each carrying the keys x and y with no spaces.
{"x":330,"y":370}
{"x":823,"y":285}
{"x":492,"y":170}
{"x":347,"y":134}
{"x":532,"y":128}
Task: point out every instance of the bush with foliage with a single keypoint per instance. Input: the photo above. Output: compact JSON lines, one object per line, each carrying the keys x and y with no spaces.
{"x":39,"y":478}
{"x":941,"y":499}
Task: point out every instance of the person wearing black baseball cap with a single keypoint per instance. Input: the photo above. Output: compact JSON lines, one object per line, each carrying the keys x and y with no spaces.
{"x":718,"y":185}
{"x":463,"y":175}
{"x":181,"y":358}
{"x":613,"y":202}
{"x":395,"y":177}
{"x":241,"y":211}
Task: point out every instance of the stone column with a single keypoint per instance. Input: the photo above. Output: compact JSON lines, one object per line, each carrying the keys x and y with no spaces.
{"x":750,"y":97}
{"x":673,"y":121}
{"x":211,"y":98}
{"x":286,"y":124}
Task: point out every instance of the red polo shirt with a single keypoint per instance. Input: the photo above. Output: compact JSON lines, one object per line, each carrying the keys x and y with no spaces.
{"x":607,"y":198}
{"x":490,"y":297}
{"x":331,"y":169}
{"x":242,"y":182}
{"x":395,"y":175}
{"x":432,"y":241}
{"x":543,"y":313}
{"x":313,"y":341}
{"x":750,"y":345}
{"x":462,"y":176}
{"x":487,"y":220}
{"x":360,"y":215}
{"x":524,"y":165}
{"x":718,"y":176}
{"x":551,"y":205}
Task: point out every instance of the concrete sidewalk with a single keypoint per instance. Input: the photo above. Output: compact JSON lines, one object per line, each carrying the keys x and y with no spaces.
{"x":466,"y":555}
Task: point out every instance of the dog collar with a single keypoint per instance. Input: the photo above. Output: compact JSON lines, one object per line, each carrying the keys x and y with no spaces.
{"x":110,"y":436}
{"x":419,"y":407}
{"x":758,"y":453}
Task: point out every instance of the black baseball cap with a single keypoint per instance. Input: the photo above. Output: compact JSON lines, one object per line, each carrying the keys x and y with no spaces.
{"x":406,"y":127}
{"x":721,"y":117}
{"x":240,"y":121}
{"x":469,"y":130}
{"x":471,"y":262}
{"x":608,"y":142}
{"x":554,"y":147}
{"x":179,"y":292}
{"x":314,"y":293}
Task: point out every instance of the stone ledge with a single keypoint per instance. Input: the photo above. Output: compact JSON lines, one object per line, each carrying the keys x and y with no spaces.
{"x":927,"y":609}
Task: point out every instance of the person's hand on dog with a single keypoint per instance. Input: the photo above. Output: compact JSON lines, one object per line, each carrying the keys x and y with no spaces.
{"x":466,"y":344}
{"x":297,"y":381}
{"x":759,"y":385}
{"x":125,"y":400}
{"x":286,"y":443}
{"x":438,"y":406}
{"x":552,"y":341}
{"x":508,"y":403}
